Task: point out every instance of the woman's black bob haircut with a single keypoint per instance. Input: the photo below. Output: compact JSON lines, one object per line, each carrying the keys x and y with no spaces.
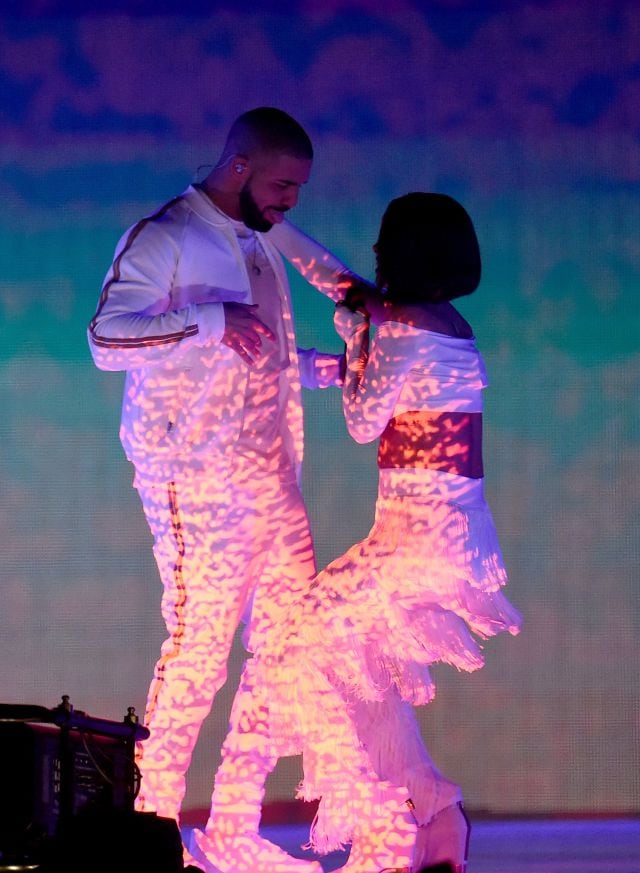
{"x":427,"y":249}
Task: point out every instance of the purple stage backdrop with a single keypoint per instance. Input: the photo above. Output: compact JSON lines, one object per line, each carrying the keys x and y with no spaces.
{"x":528,"y":114}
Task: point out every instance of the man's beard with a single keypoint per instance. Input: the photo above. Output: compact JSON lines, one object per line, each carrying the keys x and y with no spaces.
{"x":250,"y":213}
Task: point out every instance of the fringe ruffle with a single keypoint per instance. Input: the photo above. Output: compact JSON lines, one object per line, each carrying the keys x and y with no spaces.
{"x":424,"y":587}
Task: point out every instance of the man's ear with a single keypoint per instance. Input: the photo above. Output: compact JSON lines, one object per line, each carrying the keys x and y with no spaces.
{"x":239,"y":165}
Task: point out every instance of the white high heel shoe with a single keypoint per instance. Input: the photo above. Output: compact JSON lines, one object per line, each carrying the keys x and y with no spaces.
{"x":444,"y":839}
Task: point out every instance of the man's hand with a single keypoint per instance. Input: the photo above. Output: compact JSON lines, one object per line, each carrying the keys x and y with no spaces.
{"x":356,"y":296}
{"x":366,"y":298}
{"x":243,"y":330}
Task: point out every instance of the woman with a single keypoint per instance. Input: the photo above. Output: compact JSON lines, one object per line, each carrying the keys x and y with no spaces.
{"x":426,"y":582}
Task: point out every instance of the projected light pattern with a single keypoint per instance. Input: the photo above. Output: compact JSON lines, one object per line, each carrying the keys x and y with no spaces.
{"x":525,"y":112}
{"x":440,"y":442}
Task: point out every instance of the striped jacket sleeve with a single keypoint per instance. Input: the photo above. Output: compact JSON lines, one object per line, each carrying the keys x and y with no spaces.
{"x":133,"y":325}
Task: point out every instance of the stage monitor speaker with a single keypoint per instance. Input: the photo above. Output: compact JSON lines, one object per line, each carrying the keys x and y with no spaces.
{"x":443,"y":867}
{"x":55,"y":764}
{"x":114,"y":841}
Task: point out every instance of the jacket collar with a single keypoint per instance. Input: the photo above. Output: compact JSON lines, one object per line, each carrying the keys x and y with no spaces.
{"x":202,"y":206}
{"x":198,"y":201}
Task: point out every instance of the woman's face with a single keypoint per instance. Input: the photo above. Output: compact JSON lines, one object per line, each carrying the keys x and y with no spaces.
{"x":379,"y":279}
{"x":380,"y":248}
{"x":385,"y":246}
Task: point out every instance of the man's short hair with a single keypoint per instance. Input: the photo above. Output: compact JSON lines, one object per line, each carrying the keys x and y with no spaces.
{"x":267,"y":129}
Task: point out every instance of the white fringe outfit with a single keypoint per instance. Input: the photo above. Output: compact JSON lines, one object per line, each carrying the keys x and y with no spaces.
{"x":423,"y":587}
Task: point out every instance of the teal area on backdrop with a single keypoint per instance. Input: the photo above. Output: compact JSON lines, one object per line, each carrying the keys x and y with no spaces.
{"x":104,"y":116}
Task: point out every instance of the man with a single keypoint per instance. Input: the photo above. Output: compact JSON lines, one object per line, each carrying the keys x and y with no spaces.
{"x":196,"y":309}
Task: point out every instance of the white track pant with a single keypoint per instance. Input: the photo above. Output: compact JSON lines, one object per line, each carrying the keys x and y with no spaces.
{"x":220,"y":549}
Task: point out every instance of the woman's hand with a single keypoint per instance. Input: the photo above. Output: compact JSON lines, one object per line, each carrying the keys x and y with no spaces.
{"x":347,"y":322}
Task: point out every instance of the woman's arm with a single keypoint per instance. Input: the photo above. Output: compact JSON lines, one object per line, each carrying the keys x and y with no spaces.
{"x":374,"y":376}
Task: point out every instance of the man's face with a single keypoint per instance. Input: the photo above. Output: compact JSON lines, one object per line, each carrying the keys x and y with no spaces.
{"x":271,"y":189}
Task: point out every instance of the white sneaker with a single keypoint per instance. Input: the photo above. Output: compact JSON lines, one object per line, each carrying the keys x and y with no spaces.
{"x":444,"y":839}
{"x":248,"y":853}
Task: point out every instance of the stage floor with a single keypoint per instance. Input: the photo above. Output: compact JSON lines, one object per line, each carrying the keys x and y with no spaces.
{"x":517,"y":846}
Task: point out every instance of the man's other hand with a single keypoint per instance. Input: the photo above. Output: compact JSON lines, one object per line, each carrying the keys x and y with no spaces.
{"x":243,"y":330}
